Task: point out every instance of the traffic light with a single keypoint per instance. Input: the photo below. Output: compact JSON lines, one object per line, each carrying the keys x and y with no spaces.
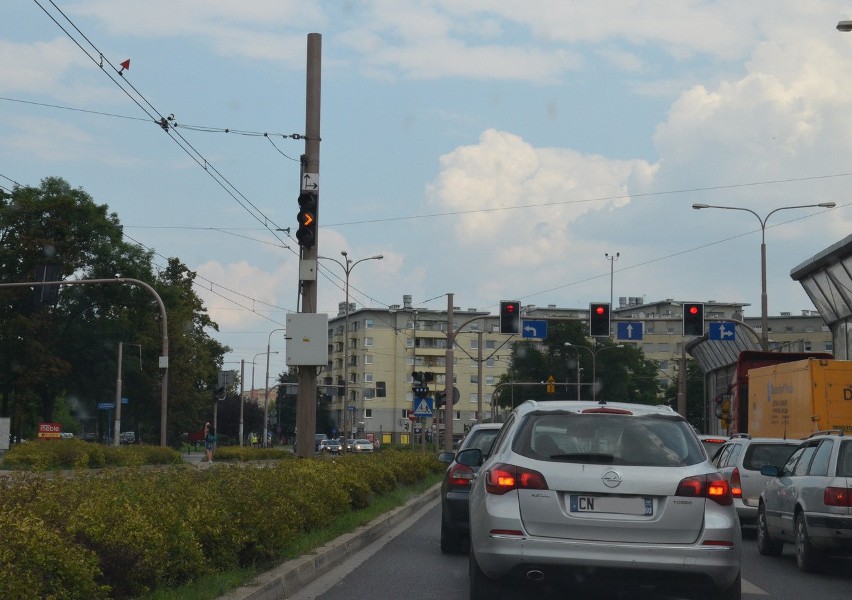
{"x":599,"y":319}
{"x":440,"y":399}
{"x":421,"y":380}
{"x":693,"y":318}
{"x":307,"y":217}
{"x":510,"y":316}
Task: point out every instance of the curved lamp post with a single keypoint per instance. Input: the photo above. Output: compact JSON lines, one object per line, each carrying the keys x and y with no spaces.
{"x":594,"y":354}
{"x":347,"y":265}
{"x":764,"y":312}
{"x":266,"y":388}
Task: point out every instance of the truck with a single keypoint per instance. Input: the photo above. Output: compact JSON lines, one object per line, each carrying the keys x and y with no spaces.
{"x":732,"y":408}
{"x":796,"y":399}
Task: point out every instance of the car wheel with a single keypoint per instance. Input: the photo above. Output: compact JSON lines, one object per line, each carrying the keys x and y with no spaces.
{"x":765,"y":544}
{"x":481,"y":587}
{"x":451,"y":541}
{"x":732,"y":592}
{"x":807,"y":557}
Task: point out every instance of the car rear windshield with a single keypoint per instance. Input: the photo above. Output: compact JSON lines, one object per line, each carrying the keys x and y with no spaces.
{"x":618,"y":439}
{"x":759,"y":454}
{"x":482,"y":439}
{"x":844,"y":459}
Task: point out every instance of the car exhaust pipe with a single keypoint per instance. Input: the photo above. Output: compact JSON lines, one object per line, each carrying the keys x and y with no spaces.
{"x":535,"y":575}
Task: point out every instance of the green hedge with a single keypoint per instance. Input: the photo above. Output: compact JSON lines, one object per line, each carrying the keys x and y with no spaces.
{"x":118,"y":533}
{"x":45,"y":455}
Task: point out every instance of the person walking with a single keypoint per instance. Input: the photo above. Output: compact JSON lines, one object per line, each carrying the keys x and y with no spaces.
{"x":209,"y":441}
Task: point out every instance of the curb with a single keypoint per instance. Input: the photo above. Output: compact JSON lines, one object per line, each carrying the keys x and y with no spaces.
{"x":291,"y":576}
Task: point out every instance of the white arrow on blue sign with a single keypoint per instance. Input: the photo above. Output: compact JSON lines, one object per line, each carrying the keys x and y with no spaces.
{"x":629,"y":330}
{"x":725,"y":331}
{"x":534,"y":329}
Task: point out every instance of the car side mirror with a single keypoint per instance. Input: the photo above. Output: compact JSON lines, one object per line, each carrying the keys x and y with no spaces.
{"x":446,"y":457}
{"x":770,"y":471}
{"x":472,"y":457}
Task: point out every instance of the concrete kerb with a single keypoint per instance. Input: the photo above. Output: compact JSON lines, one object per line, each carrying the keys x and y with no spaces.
{"x":288,"y":578}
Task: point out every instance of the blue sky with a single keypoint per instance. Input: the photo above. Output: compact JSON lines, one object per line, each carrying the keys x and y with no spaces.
{"x":493,"y":149}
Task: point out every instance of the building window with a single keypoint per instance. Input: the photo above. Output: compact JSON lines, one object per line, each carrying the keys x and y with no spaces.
{"x":456,"y":415}
{"x":368,"y":378}
{"x":474,"y":343}
{"x":474,"y":397}
{"x":368,"y":323}
{"x":381,"y":389}
{"x":368,"y":413}
{"x":368,"y":342}
{"x":490,"y":344}
{"x":369,"y":393}
{"x":368,"y":359}
{"x":489,"y":362}
{"x":489,"y":379}
{"x":473,"y":418}
{"x":474,"y":378}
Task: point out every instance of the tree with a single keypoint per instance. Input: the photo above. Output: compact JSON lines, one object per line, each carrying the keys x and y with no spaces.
{"x":67,"y":349}
{"x":695,"y":412}
{"x":623,"y":374}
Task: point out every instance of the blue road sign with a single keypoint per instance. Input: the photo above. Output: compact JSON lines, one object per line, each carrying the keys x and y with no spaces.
{"x":423,"y":407}
{"x":106,"y":405}
{"x":534,"y":328}
{"x":629,"y":330}
{"x":125,"y":400}
{"x":725,"y":331}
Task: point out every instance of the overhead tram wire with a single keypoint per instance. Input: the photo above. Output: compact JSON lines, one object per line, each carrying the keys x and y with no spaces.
{"x":200,"y":128}
{"x":161,"y":121}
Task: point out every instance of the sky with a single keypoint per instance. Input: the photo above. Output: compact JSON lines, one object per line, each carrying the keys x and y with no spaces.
{"x":492,"y":149}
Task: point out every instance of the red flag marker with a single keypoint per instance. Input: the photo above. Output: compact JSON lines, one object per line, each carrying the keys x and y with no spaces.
{"x":125,"y":65}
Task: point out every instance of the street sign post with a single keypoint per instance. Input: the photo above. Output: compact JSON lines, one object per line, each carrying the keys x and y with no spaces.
{"x":725,"y":331}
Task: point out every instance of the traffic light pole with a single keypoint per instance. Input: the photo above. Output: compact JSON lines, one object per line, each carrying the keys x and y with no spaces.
{"x":306,"y":399}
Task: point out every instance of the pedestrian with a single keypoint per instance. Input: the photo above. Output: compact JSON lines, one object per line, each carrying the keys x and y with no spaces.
{"x":209,"y":441}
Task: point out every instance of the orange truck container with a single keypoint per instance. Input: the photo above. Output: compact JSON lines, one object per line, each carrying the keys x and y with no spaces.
{"x":796,"y":399}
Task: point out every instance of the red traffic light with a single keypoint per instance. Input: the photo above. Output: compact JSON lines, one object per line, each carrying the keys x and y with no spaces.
{"x":693,"y":310}
{"x":600,"y":310}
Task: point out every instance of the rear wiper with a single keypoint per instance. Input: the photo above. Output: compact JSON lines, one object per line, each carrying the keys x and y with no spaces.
{"x":591,"y":457}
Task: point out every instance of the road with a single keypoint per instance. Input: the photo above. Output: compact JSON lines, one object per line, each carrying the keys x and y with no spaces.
{"x":408,"y":563}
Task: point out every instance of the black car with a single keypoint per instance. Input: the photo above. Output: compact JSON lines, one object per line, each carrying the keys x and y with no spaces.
{"x":456,"y":487}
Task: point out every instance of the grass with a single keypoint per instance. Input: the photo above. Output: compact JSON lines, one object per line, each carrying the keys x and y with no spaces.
{"x":212,"y":586}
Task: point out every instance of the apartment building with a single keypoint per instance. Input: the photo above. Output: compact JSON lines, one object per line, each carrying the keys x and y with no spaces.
{"x":384,"y":346}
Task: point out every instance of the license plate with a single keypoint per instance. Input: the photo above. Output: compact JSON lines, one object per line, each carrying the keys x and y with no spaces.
{"x":620,"y":505}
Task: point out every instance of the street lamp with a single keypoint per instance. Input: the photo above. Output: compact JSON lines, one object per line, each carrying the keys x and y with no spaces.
{"x":764,"y":311}
{"x":252,"y":389}
{"x":611,"y":258}
{"x":348,"y":265}
{"x":594,"y":354}
{"x":266,"y":388}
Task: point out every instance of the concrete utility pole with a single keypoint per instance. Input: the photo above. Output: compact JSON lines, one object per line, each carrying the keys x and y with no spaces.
{"x":449,"y":409}
{"x":306,"y":400}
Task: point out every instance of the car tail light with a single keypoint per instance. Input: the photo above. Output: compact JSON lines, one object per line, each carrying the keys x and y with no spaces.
{"x":712,"y":486}
{"x":460,"y":475}
{"x":836,"y":496}
{"x":502,"y":478}
{"x":736,"y":484}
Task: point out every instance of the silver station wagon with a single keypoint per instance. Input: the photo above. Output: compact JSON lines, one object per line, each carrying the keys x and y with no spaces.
{"x":601,"y":499}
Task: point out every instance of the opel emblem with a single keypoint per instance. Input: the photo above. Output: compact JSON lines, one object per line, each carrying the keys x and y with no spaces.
{"x":611,"y":479}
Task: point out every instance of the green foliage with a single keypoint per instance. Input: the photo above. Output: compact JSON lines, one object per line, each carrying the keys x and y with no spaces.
{"x":121,"y":532}
{"x":77,"y":454}
{"x":248,"y":453}
{"x":37,"y":561}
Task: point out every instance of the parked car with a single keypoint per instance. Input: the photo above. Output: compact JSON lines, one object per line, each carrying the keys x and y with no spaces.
{"x":330,"y":447}
{"x":740,"y":460}
{"x":455,"y":489}
{"x":602,"y":498}
{"x":362,"y":446}
{"x":712,"y":443}
{"x":807,"y":502}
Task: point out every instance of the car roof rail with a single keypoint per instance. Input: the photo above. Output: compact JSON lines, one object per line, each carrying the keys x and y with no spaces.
{"x":741,"y":435}
{"x":839,"y":432}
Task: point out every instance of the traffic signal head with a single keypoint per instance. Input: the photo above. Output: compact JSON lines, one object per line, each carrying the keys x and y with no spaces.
{"x":307,"y":217}
{"x":510,"y":316}
{"x":440,"y":399}
{"x":693,"y":318}
{"x":599,"y":319}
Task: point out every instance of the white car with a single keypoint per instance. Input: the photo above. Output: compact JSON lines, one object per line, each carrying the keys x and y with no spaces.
{"x":602,"y":498}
